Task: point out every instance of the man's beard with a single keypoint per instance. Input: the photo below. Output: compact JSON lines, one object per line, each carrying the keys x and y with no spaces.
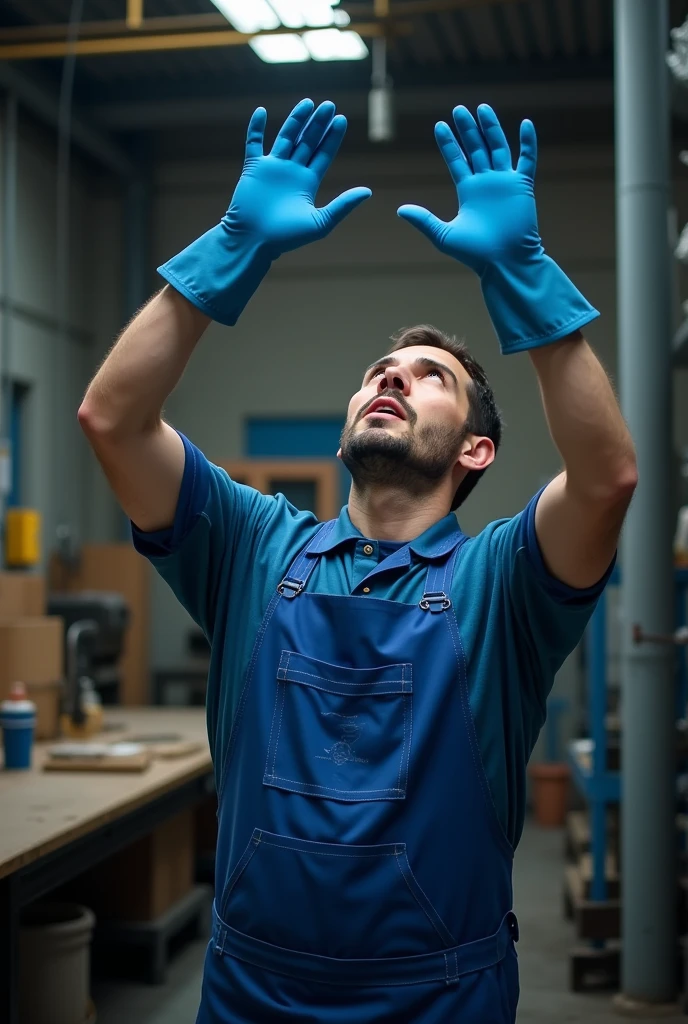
{"x":414,"y":462}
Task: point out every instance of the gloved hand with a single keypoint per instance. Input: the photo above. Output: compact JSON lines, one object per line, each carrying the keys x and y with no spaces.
{"x":272,"y":211}
{"x":529,"y":298}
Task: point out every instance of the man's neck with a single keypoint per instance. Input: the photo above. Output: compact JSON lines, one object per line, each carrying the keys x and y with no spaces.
{"x":392,"y":515}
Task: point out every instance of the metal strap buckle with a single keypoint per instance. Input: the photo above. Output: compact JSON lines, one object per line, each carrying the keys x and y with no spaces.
{"x":437,"y":601}
{"x":290,"y":588}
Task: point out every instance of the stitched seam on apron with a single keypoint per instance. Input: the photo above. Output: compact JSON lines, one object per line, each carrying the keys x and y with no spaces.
{"x":332,"y":789}
{"x":431,"y":904}
{"x":432,"y":923}
{"x":326,"y":853}
{"x":244,"y":694}
{"x":407,"y":699}
{"x":472,"y":739}
{"x":338,"y":682}
{"x":279,"y":730}
{"x":280,"y":686}
{"x":401,"y":759}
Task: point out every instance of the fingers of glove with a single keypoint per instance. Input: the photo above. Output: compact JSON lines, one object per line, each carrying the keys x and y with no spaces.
{"x":471,"y":139}
{"x":527,"y":161}
{"x":291,"y":129}
{"x":427,"y":223}
{"x":312,"y":134}
{"x":327,"y":150}
{"x":341,"y":207}
{"x":451,"y":151}
{"x":256,"y":132}
{"x":493,"y":133}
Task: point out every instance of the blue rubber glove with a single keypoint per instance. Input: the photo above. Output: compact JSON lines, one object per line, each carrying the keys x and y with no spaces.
{"x":530,"y":299}
{"x":272,"y":211}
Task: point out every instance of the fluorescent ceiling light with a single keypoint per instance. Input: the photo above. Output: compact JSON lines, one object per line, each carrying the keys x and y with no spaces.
{"x":304,"y":13}
{"x":248,"y":15}
{"x":318,"y":13}
{"x":331,"y":44}
{"x":283,"y":49}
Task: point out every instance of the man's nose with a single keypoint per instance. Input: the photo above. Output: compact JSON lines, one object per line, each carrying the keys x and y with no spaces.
{"x":396,"y":379}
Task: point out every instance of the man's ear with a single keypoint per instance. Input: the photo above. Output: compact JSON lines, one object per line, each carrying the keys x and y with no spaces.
{"x":339,"y":453}
{"x":476,"y":453}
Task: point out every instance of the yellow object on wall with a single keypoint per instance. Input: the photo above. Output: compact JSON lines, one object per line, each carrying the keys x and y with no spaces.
{"x":22,"y":537}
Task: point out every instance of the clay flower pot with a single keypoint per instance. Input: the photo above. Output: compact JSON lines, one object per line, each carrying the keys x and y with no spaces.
{"x":550,"y":792}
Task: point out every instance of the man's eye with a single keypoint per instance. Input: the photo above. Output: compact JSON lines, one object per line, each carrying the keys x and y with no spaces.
{"x":438,"y":373}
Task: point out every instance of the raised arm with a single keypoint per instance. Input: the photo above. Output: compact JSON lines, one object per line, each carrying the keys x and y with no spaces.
{"x":534,"y":307}
{"x":121,"y":414}
{"x":272,"y":211}
{"x":580,"y":513}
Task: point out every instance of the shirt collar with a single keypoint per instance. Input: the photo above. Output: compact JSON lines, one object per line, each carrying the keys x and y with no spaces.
{"x":435,"y":542}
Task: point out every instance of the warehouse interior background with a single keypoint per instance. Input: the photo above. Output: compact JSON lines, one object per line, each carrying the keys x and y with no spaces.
{"x":114,"y":156}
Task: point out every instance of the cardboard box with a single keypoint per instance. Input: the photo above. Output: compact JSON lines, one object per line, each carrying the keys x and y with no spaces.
{"x":48,"y":700}
{"x":145,"y":879}
{"x":22,"y":594}
{"x":31,"y":651}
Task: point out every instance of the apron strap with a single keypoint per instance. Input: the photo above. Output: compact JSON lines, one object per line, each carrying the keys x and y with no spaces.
{"x":302,"y":566}
{"x":438,"y":582}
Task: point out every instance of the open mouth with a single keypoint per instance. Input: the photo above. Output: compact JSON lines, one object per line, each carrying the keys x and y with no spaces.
{"x":386,"y":407}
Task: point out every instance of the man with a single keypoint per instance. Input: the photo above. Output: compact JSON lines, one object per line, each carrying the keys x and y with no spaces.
{"x":376,"y":683}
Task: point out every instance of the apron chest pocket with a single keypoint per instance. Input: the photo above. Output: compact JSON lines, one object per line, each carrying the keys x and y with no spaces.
{"x":340,"y":733}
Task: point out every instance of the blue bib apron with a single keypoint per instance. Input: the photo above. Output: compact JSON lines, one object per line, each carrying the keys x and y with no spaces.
{"x":362,"y":874}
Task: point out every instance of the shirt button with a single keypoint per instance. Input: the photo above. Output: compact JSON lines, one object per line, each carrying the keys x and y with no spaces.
{"x":367,"y":549}
{"x":366,"y":590}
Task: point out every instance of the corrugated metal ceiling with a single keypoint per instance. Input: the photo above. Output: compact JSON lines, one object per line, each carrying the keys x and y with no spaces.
{"x":459,"y":42}
{"x":481,"y":33}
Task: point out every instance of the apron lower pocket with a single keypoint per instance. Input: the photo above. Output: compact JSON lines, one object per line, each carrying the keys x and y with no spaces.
{"x":349,"y":902}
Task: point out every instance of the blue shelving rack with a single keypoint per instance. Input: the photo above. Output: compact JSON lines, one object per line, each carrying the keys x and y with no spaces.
{"x":598,"y":786}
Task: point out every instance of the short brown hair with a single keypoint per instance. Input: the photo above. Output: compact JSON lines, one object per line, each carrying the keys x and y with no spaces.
{"x":484,"y":419}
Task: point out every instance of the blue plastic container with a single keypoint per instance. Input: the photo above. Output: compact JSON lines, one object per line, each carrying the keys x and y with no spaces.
{"x":18,"y":722}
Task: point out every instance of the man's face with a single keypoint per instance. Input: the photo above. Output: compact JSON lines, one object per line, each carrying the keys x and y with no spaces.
{"x":406,"y":425}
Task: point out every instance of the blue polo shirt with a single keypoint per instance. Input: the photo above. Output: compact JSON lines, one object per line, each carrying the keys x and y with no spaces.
{"x":230,"y":546}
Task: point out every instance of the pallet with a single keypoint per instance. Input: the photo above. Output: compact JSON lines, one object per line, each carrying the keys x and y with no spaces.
{"x":577,"y":836}
{"x":191,"y":912}
{"x":599,"y":968}
{"x":594,"y":969}
{"x":594,"y":919}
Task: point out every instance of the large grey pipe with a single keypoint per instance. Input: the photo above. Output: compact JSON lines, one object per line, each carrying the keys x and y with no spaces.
{"x":644,"y":325}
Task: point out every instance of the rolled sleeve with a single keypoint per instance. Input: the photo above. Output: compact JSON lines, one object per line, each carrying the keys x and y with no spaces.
{"x":193,"y":497}
{"x":545,"y":617}
{"x":556,"y":589}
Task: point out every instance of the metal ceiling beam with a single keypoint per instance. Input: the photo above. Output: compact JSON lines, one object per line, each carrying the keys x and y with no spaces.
{"x":164,"y":42}
{"x":407,"y":8}
{"x":136,"y":22}
{"x":142,"y":115}
{"x":45,"y":106}
{"x":114,"y":27}
{"x":134,"y":14}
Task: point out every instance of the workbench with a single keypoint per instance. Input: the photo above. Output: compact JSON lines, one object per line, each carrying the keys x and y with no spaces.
{"x":55,"y":825}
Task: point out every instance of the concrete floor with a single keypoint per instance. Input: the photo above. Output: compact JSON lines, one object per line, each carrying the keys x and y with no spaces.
{"x":543,"y":952}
